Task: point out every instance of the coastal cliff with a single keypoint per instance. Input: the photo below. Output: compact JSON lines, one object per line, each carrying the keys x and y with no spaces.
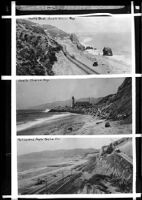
{"x":117,"y":106}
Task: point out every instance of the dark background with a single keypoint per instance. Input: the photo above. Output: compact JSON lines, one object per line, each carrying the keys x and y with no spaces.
{"x":5,"y":136}
{"x":138,"y":165}
{"x":139,"y":105}
{"x":138,"y":44}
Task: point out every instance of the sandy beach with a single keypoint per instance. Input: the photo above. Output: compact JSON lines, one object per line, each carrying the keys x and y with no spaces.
{"x":110,"y":64}
{"x":75,"y":124}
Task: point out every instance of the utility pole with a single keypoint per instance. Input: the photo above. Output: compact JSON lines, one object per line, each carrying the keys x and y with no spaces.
{"x":71,"y":171}
{"x":46,"y":185}
{"x":62,"y":174}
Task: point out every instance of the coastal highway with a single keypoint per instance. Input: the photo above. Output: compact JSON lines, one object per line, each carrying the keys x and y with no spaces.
{"x":54,"y":186}
{"x":78,"y":63}
{"x":127,"y":158}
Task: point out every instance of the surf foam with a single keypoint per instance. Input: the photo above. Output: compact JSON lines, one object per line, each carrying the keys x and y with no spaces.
{"x":36,"y":122}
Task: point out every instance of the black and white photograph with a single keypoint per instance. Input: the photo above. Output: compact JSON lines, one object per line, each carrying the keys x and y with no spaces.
{"x":73,"y":45}
{"x":74,"y":106}
{"x":75,"y":165}
{"x":71,"y":100}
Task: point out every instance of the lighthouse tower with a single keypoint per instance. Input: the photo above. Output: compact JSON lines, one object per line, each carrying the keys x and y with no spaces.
{"x":73,"y":101}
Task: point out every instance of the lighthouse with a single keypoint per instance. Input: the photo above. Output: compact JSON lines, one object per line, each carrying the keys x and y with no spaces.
{"x":73,"y":101}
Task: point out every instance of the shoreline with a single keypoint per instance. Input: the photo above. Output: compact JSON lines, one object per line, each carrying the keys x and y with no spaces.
{"x":77,"y":124}
{"x":30,"y":124}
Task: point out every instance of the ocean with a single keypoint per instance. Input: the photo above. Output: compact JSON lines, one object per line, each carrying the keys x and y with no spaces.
{"x":30,"y":119}
{"x":29,"y":165}
{"x":120,"y":43}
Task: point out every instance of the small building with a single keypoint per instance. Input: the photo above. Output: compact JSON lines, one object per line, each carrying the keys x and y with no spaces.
{"x":80,"y":103}
{"x":73,"y":102}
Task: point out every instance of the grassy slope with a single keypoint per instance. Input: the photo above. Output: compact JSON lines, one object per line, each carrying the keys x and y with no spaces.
{"x":36,"y":52}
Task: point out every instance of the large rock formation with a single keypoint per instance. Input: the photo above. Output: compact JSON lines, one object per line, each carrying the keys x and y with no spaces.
{"x":75,"y":41}
{"x":107,"y":51}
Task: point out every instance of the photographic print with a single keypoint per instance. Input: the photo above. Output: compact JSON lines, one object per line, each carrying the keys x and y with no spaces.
{"x":74,"y":106}
{"x":73,"y":45}
{"x":71,"y":101}
{"x":74,"y":165}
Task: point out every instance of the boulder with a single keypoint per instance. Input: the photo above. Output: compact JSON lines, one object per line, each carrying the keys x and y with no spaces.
{"x":107,"y":51}
{"x":70,"y":128}
{"x":107,"y":124}
{"x":95,"y":64}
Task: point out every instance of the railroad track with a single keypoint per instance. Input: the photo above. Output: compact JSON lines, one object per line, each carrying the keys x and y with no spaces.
{"x":43,"y":187}
{"x":59,"y":188}
{"x":69,"y":180}
{"x":86,"y":66}
{"x":78,"y":63}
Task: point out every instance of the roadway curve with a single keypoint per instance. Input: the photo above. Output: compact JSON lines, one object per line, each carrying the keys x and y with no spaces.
{"x":78,"y":63}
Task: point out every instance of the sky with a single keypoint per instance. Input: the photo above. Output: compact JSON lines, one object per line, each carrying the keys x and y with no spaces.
{"x":25,"y":147}
{"x":115,"y":24}
{"x":32,"y":93}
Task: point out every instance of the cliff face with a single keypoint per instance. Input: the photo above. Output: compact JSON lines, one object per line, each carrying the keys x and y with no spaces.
{"x":36,"y":51}
{"x":118,"y":106}
{"x":112,"y":168}
{"x":75,"y":41}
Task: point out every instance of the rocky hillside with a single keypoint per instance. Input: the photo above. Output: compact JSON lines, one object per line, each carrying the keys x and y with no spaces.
{"x":38,"y":47}
{"x":107,"y":173}
{"x":117,"y":106}
{"x":36,"y":51}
